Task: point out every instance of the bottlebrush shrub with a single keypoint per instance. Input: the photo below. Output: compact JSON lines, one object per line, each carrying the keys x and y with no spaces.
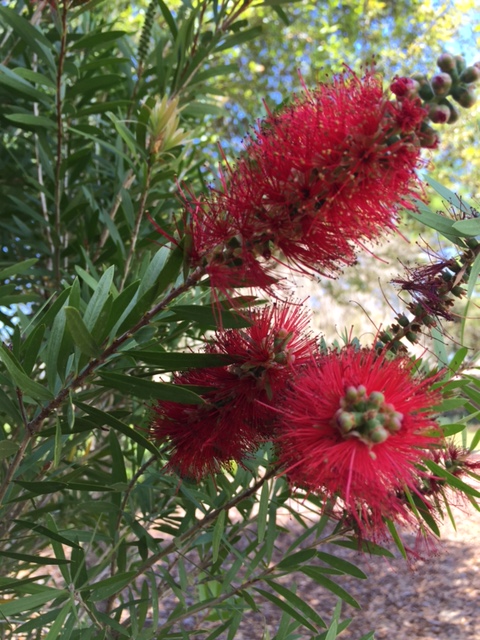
{"x":159,"y":415}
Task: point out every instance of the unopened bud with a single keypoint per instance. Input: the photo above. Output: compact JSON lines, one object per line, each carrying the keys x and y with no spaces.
{"x":163,"y":126}
{"x":379,"y":434}
{"x":439,"y":113}
{"x":404,"y":87}
{"x":376,"y":398}
{"x":426,"y":92}
{"x":460,"y":63}
{"x":446,"y":62}
{"x":470,"y":74}
{"x":454,"y":113}
{"x":464,"y":95}
{"x":346,"y":421}
{"x":351,"y":394}
{"x":441,"y":84}
{"x":428,"y":137}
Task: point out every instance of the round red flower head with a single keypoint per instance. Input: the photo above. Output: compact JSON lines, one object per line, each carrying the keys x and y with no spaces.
{"x":354,"y":428}
{"x":236,"y":417}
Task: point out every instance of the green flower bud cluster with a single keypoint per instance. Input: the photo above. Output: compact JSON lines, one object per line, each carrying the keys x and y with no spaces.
{"x":368,"y":418}
{"x":455,"y":80}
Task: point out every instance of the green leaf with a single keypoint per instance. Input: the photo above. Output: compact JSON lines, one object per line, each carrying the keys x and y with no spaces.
{"x":466,"y":227}
{"x":31,"y":559}
{"x":451,"y":479}
{"x":319,"y":577}
{"x":18,"y":268}
{"x":31,"y":347}
{"x":297,"y":602}
{"x":99,"y":298}
{"x":396,"y":538}
{"x":284,"y":606}
{"x":32,"y":36}
{"x":20,"y":605}
{"x":80,"y":334}
{"x":169,"y":19}
{"x":218,"y":530}
{"x":7,"y":449}
{"x":110,"y":586}
{"x":102,"y":418}
{"x":60,"y":618}
{"x":263,"y":512}
{"x":147,"y":389}
{"x":435,"y":221}
{"x":473,"y":277}
{"x":367,"y":546}
{"x":12,"y":80}
{"x":207,"y":318}
{"x":44,"y":531}
{"x":341,"y":565}
{"x":52,"y":486}
{"x":451,"y":197}
{"x":30,"y":120}
{"x":125,"y":134}
{"x":240,"y":38}
{"x":181,"y":361}
{"x":20,"y":378}
{"x":296,"y":559}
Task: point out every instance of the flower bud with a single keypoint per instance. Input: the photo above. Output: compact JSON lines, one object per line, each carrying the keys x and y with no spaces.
{"x":404,"y":87}
{"x":454,"y":113}
{"x":446,"y":62}
{"x":346,"y":421}
{"x":379,"y":434}
{"x":460,"y":63}
{"x":428,"y":137}
{"x":439,"y":113}
{"x":470,"y":74}
{"x":426,"y":92}
{"x":163,"y":126}
{"x":464,"y":95}
{"x":441,"y":84}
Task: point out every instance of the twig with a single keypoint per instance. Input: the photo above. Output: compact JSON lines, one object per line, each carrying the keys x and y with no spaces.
{"x":58,"y":166}
{"x":138,"y":222}
{"x":127,"y":183}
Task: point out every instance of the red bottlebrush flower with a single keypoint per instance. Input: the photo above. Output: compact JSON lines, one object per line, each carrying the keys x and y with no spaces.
{"x":318,"y":179}
{"x":219,"y":247}
{"x":235,"y":419}
{"x":354,"y":427}
{"x":327,"y":173}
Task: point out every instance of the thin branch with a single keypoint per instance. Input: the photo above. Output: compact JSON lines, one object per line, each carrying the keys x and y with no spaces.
{"x":58,"y":165}
{"x":127,"y":183}
{"x":138,"y":222}
{"x":209,"y":518}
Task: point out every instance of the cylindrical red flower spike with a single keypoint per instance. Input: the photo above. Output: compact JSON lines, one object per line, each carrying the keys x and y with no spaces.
{"x":354,"y":427}
{"x":236,"y":418}
{"x":319,"y":178}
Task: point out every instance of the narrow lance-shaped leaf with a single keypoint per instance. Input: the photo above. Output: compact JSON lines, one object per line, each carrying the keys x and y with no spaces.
{"x":80,"y":334}
{"x":22,"y":381}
